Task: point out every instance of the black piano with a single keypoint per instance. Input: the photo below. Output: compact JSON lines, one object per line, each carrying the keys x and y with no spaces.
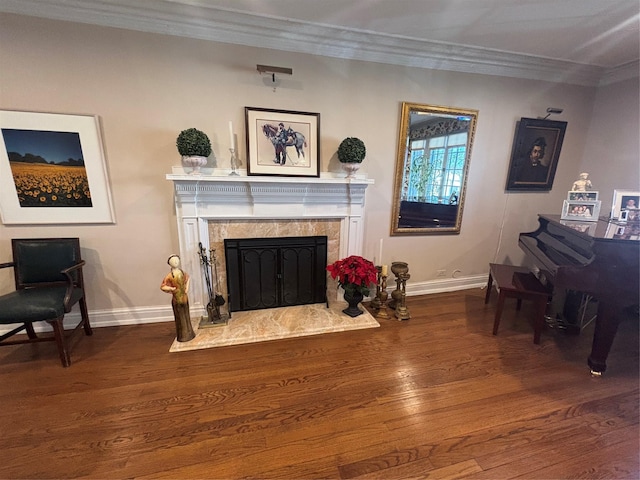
{"x":598,"y":258}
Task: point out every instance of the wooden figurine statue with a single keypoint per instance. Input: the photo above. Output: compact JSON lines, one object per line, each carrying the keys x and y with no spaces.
{"x":177,"y":284}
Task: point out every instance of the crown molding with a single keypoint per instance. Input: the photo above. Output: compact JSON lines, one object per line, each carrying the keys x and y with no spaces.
{"x":618,"y":74}
{"x":185,"y":18}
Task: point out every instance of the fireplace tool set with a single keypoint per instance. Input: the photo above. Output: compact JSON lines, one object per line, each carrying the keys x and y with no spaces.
{"x":398,"y":300}
{"x":210,"y":267}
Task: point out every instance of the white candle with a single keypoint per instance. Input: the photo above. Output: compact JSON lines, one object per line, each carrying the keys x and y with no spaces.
{"x":384,"y":271}
{"x":231,"y":142}
{"x":380,"y":257}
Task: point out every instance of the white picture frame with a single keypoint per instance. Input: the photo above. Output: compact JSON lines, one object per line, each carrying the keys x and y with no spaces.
{"x":620,"y":199}
{"x":583,"y":227}
{"x":39,"y":184}
{"x":581,"y":211}
{"x":630,"y":215}
{"x":575,"y":195}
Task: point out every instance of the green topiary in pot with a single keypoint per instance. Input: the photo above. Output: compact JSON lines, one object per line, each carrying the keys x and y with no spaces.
{"x":351,"y":150}
{"x":193,"y":142}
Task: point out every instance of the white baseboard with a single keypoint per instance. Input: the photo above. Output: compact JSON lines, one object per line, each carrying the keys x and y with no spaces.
{"x":110,"y":318}
{"x":141,"y":315}
{"x":446,"y":285}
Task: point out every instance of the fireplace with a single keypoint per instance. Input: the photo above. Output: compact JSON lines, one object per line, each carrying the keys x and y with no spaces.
{"x":212,"y":208}
{"x":275,"y":272}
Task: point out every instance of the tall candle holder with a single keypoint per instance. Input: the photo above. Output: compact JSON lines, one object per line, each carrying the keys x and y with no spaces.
{"x":375,"y":303}
{"x":398,"y":268}
{"x":382,"y":311}
{"x":234,"y":162}
{"x":402,"y":312}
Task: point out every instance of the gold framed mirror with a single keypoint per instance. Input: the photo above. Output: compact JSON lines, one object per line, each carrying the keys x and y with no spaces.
{"x":432,"y":164}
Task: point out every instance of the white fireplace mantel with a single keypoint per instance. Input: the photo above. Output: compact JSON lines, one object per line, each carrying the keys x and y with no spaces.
{"x":200,"y":199}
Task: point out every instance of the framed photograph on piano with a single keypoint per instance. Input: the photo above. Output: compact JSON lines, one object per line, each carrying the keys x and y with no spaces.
{"x":535,"y":153}
{"x":623,"y":200}
{"x":589,"y":196}
{"x":581,"y":211}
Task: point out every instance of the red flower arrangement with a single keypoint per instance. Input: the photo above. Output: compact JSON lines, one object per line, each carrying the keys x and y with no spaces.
{"x":354,"y":274}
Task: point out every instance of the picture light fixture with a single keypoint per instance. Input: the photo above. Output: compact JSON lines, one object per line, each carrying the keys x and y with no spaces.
{"x":273,"y":70}
{"x":552,"y":111}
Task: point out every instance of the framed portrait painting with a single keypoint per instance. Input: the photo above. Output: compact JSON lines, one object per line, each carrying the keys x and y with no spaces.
{"x":52,"y":169}
{"x":282,"y":142}
{"x":535,"y":153}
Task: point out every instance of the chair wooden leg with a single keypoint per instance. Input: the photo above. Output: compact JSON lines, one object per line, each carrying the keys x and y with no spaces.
{"x":499,"y":307}
{"x":85,"y":317}
{"x":489,"y":285}
{"x":31,"y":333}
{"x":58,"y":332}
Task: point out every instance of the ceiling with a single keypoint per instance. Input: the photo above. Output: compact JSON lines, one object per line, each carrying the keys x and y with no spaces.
{"x":586,"y":42}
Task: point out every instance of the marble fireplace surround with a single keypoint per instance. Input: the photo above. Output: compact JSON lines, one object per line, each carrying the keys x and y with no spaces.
{"x":210,"y":208}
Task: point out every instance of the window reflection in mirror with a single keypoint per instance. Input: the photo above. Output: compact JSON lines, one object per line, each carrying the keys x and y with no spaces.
{"x":434,"y":149}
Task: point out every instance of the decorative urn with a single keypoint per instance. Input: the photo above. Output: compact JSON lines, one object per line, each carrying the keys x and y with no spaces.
{"x":195,"y":147}
{"x":351,"y":153}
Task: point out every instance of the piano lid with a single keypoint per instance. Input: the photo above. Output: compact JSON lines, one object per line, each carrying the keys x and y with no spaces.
{"x":600,"y":258}
{"x":604,"y":229}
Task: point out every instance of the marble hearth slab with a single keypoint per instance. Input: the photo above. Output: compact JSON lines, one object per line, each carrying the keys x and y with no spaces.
{"x":276,"y":323}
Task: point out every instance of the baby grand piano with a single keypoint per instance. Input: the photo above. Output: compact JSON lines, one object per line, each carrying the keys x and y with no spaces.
{"x":598,"y":258}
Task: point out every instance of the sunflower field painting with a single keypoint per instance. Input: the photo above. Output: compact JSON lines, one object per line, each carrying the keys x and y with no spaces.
{"x":48,"y":168}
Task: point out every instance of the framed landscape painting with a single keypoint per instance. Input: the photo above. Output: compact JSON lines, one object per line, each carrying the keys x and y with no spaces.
{"x":282,"y":142}
{"x":52,"y":169}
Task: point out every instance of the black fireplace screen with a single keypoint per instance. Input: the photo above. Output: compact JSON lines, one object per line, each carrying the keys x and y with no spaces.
{"x":275,"y":272}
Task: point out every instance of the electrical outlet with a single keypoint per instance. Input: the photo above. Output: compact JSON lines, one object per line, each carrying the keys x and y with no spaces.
{"x":441,"y":273}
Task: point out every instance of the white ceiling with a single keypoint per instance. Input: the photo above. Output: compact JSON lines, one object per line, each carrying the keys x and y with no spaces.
{"x":576,"y":41}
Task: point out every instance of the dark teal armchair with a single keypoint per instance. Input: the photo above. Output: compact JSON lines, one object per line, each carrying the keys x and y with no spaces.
{"x":49,"y":282}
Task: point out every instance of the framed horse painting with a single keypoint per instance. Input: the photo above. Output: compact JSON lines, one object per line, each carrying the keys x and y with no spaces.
{"x":282,"y":142}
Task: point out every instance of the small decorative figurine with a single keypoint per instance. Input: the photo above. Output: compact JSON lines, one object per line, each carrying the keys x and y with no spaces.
{"x":177,"y":284}
{"x":582,"y":184}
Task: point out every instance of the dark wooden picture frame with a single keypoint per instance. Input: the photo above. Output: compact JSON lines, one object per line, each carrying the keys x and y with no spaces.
{"x":282,"y":142}
{"x":534,"y":157}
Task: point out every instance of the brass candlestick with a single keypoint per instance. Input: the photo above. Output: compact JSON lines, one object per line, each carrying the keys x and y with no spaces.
{"x":382,"y":312}
{"x":402,"y":312}
{"x":375,"y":303}
{"x":397,"y":268}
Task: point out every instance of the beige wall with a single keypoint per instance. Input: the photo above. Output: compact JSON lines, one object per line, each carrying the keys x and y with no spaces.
{"x":613,"y":141}
{"x":147,"y":87}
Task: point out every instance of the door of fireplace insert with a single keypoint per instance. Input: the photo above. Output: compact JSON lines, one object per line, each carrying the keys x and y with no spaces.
{"x":275,"y":272}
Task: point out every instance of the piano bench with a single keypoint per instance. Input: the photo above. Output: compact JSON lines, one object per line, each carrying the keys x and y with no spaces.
{"x":519,"y":283}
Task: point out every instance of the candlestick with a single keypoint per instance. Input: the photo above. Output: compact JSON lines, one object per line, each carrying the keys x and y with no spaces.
{"x":384,"y":295}
{"x":234,"y":162}
{"x":231,"y":139}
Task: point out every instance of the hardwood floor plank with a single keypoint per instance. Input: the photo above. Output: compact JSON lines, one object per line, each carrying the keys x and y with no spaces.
{"x":437,"y":396}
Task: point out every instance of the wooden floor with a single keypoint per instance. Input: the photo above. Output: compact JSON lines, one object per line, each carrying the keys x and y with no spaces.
{"x":437,"y":396}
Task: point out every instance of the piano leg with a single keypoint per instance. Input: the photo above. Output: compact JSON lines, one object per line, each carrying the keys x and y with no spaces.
{"x":556,"y":306}
{"x":564,"y":311}
{"x":607,"y":323}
